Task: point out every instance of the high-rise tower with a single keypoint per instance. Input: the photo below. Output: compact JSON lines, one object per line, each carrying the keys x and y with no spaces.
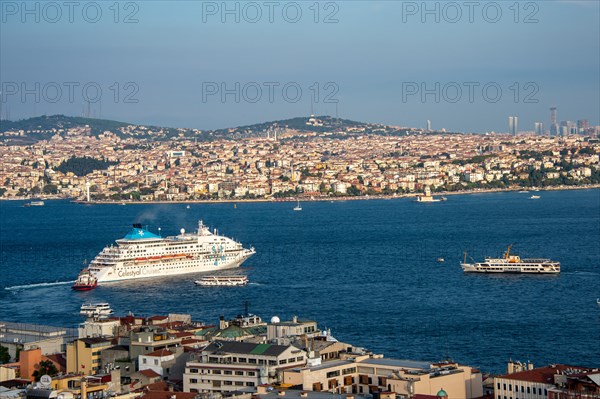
{"x":553,"y":121}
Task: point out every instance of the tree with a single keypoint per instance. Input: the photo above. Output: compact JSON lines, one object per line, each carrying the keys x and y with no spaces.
{"x":50,"y":189}
{"x":4,"y":355}
{"x":45,"y":367}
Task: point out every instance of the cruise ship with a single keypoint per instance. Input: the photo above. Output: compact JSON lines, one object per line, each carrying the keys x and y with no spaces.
{"x":512,"y":264}
{"x":142,"y":254}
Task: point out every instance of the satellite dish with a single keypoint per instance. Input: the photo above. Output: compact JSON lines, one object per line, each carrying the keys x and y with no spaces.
{"x":275,"y":319}
{"x":45,"y":380}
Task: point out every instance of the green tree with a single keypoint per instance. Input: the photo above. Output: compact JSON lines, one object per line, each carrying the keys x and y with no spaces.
{"x":50,"y":189}
{"x":4,"y":356}
{"x":45,"y":367}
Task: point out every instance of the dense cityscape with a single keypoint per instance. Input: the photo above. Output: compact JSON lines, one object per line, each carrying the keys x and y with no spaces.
{"x":299,"y":199}
{"x":173,"y":357}
{"x":137,"y":163}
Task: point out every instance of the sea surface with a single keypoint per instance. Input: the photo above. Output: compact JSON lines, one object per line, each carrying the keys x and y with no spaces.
{"x":366,"y":270}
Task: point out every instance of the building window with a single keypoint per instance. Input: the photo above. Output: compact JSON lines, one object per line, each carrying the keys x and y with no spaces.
{"x":300,"y":359}
{"x":156,"y":362}
{"x":193,"y":380}
{"x":317,"y":386}
{"x":528,"y":390}
{"x":194,"y":371}
{"x":510,"y":387}
{"x":283,"y":361}
{"x":251,"y":373}
{"x":533,"y":390}
{"x":227,"y":372}
{"x":239,"y":373}
{"x":252,"y":361}
{"x":272,"y":363}
{"x":249,"y":384}
{"x":498,"y":387}
{"x":216,"y":371}
{"x":242,"y":360}
{"x":333,"y":374}
{"x":144,"y":360}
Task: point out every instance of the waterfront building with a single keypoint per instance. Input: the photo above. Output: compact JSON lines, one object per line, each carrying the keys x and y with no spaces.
{"x":23,"y":336}
{"x":536,"y":383}
{"x":226,"y":366}
{"x":286,"y":332}
{"x":364,"y":374}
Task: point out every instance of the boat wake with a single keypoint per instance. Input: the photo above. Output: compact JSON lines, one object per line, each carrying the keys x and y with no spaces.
{"x":37,"y":285}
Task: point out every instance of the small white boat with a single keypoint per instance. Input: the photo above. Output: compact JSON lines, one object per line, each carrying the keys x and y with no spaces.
{"x":35,"y":203}
{"x":96,"y":310}
{"x":298,"y":207}
{"x":440,"y":260}
{"x":598,"y":301}
{"x":534,"y":197}
{"x":187,"y":207}
{"x":225,"y":281}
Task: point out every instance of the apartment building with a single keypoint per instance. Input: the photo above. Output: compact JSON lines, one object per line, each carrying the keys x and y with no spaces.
{"x":229,"y":365}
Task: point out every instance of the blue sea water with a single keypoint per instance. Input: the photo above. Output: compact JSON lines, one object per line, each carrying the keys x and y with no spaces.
{"x":365,"y":269}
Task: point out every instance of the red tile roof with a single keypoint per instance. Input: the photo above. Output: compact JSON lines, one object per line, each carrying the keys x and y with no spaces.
{"x":160,"y":353}
{"x":544,"y":375}
{"x":149,"y":373}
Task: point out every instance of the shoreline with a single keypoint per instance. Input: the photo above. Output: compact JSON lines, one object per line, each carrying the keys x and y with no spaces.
{"x":315,"y":199}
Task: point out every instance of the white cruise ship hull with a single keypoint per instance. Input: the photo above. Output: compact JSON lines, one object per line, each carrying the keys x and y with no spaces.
{"x":142,"y":254}
{"x":163,"y":269}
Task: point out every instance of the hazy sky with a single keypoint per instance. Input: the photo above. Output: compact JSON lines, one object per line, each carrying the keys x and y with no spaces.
{"x":464,"y":65}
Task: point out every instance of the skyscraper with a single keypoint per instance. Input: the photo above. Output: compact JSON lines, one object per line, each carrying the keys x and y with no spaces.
{"x":539,"y":128}
{"x":553,"y":121}
{"x":513,"y":125}
{"x":582,"y":125}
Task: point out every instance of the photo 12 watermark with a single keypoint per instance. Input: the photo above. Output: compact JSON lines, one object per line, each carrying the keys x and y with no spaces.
{"x":470,"y":92}
{"x":53,"y":12}
{"x":452,"y":12}
{"x":269,"y":92}
{"x":69,"y":92}
{"x":252,"y":12}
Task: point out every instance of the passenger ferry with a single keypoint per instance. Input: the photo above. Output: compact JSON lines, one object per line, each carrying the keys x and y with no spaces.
{"x":222,"y":281}
{"x":95,"y":310}
{"x":142,"y":254}
{"x":512,"y":264}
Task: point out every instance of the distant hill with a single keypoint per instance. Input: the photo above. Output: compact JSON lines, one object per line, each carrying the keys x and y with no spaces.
{"x":50,"y":122}
{"x":44,"y":127}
